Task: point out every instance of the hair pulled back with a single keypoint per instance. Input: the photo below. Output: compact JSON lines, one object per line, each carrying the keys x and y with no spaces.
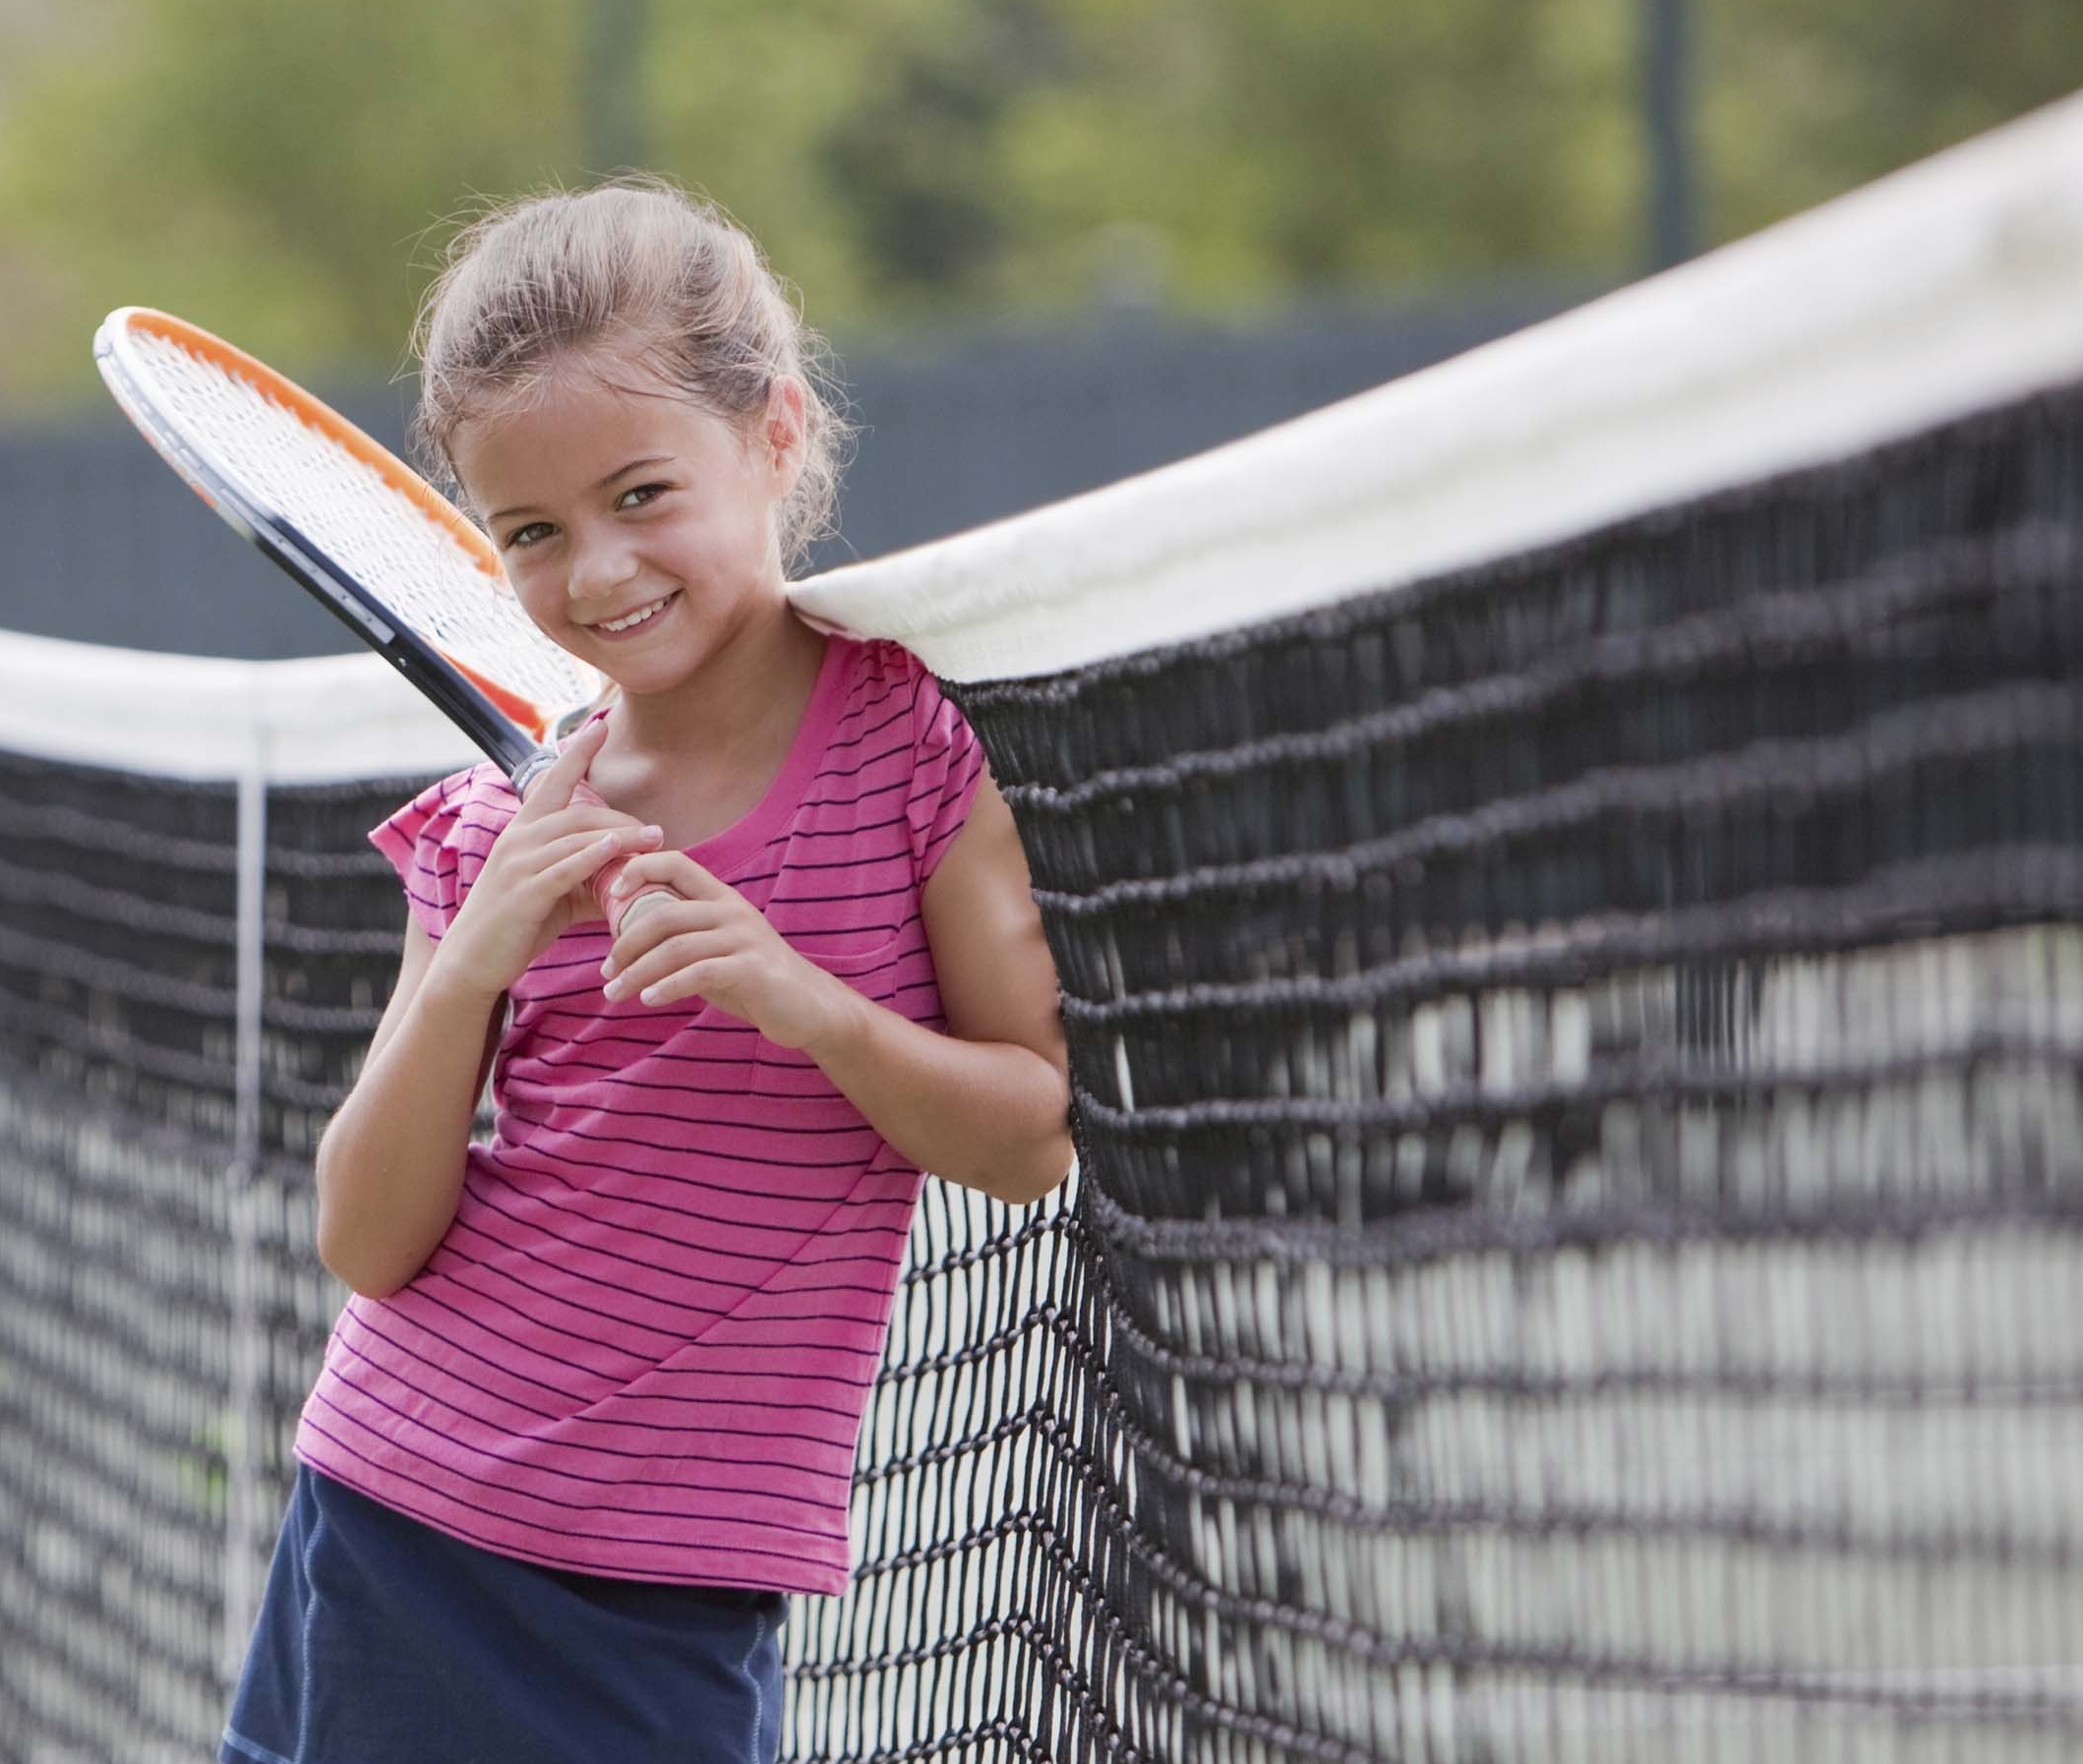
{"x":631,"y":269}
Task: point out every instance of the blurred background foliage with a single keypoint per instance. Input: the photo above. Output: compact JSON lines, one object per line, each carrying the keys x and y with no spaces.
{"x":287,"y":170}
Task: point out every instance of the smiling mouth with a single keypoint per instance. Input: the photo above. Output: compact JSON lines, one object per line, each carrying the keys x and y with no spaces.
{"x":616,"y":628}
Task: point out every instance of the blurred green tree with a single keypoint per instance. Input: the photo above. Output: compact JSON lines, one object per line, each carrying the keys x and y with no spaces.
{"x":286,"y":172}
{"x":1806,"y":98}
{"x":270,"y":170}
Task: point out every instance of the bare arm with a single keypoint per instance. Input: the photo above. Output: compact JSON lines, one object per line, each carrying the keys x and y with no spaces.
{"x":987,"y":1104}
{"x":391,"y":1164}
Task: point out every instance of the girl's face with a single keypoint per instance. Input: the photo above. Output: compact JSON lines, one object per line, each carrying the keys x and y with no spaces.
{"x":639,"y":530}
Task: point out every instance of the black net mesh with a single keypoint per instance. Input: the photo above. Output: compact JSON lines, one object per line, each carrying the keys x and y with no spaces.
{"x":162,"y":1308}
{"x":1577,"y":1088}
{"x":1577,"y":1252}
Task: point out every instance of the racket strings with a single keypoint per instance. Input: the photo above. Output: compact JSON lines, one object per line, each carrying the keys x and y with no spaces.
{"x":380,"y":535}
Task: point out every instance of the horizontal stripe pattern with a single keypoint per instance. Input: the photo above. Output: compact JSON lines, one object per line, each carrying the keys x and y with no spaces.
{"x":644,"y":1345}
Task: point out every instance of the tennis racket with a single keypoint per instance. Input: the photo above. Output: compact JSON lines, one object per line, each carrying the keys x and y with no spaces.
{"x":378,"y":545}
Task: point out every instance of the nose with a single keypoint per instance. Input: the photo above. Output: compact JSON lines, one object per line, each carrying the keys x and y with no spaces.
{"x":601,"y":567}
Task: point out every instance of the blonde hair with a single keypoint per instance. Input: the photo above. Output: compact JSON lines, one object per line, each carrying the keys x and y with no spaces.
{"x":633,"y":269}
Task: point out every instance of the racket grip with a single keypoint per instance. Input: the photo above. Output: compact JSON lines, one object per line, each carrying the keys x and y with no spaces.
{"x":617,"y":912}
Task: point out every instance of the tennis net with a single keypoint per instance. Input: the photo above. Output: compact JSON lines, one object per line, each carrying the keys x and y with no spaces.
{"x":1567,"y":875}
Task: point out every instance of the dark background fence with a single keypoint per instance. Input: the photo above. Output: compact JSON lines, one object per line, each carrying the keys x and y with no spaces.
{"x":106,"y":547}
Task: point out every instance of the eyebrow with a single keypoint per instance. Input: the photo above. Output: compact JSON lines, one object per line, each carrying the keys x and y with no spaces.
{"x":620,"y":471}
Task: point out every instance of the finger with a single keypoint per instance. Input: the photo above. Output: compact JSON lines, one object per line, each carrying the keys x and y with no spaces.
{"x":625,"y":910}
{"x":524,"y":868}
{"x":698,"y":979}
{"x":555,"y":786}
{"x":639,"y":933}
{"x":620,"y":908}
{"x":689,"y":948}
{"x":674,"y":871}
{"x":582,"y":820}
{"x":579,"y":821}
{"x":622,"y":836}
{"x":574,"y":867}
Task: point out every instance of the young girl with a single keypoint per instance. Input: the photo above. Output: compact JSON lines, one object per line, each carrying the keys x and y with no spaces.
{"x":591,"y":1411}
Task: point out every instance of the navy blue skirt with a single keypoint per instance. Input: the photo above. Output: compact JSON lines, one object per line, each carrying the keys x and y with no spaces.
{"x":381,"y":1639}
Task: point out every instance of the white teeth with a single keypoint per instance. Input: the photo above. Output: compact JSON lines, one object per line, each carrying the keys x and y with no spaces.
{"x":634,"y":619}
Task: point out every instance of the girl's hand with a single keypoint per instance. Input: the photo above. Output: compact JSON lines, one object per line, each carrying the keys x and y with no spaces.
{"x":533,"y":886}
{"x":713,"y":943}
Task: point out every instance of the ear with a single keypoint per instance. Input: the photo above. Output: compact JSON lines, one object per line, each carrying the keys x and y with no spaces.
{"x":784,"y":432}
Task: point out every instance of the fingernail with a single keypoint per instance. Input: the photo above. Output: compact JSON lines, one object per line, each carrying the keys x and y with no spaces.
{"x":620,"y":886}
{"x":614,"y":988}
{"x":649,"y":995}
{"x":654,"y":833}
{"x":606,"y":968}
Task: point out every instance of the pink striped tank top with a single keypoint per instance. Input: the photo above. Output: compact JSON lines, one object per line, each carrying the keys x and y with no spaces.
{"x":644,"y":1344}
